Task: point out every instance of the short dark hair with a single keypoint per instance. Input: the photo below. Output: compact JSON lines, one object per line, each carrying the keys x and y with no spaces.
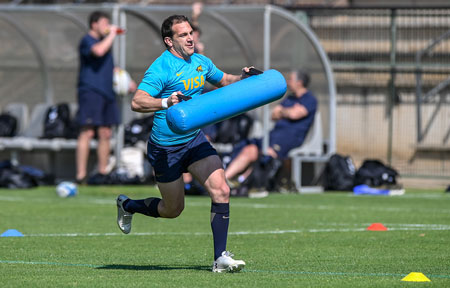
{"x":166,"y":27}
{"x":96,"y":15}
{"x":303,"y":76}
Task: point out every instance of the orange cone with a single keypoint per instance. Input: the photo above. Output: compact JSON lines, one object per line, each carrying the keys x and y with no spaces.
{"x":377,"y":227}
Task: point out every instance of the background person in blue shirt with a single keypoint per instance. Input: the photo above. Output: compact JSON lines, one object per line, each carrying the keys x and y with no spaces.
{"x":180,"y":71}
{"x":97,"y":107}
{"x":293,"y":115}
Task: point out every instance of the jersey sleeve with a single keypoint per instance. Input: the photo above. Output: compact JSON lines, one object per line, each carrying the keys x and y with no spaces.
{"x":154,"y":80}
{"x":310,"y":103}
{"x":86,"y":46}
{"x":214,"y":74}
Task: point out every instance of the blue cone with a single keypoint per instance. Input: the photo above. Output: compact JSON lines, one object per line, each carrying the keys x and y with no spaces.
{"x":366,"y":190}
{"x":11,"y":233}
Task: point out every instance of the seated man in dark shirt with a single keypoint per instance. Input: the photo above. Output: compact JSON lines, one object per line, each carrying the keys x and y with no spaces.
{"x":293,"y":115}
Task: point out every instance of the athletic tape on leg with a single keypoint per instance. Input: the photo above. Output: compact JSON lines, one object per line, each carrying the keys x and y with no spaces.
{"x":226,"y":102}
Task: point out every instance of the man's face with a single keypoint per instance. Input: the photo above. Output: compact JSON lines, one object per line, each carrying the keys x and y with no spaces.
{"x":292,"y":82}
{"x":101,"y":26}
{"x":182,"y":40}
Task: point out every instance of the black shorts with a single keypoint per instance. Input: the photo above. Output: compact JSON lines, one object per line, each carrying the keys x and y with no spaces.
{"x":96,"y":110}
{"x":170,"y":162}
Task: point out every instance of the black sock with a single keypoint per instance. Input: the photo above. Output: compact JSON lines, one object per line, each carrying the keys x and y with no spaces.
{"x":147,"y":206}
{"x":220,"y":217}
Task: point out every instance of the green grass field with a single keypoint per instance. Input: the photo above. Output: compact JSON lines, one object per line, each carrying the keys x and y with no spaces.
{"x":287,"y":241}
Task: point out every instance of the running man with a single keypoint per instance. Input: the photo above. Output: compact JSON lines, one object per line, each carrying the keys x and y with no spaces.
{"x":176,"y":73}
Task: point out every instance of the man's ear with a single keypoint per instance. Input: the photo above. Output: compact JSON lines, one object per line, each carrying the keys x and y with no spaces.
{"x":168,"y":41}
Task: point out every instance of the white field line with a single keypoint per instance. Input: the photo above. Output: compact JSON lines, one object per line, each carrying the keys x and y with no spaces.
{"x":403,"y":227}
{"x":324,"y":207}
{"x":99,"y":201}
{"x":296,"y":206}
{"x":386,"y":224}
{"x":52,"y":200}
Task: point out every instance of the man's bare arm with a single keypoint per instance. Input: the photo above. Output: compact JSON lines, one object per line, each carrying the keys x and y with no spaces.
{"x":295,"y":112}
{"x":102,"y":47}
{"x":144,"y":103}
{"x":228,"y":79}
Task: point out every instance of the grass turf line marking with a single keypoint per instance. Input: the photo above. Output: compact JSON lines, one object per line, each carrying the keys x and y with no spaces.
{"x":245,"y":270}
{"x":294,"y":231}
{"x":338,"y":273}
{"x":49,"y":263}
{"x":248,"y":205}
{"x":99,"y":201}
{"x":389,"y":225}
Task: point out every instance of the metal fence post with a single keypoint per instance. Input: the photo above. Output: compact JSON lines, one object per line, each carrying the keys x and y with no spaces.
{"x":266,"y":111}
{"x":392,"y":89}
{"x":119,"y":18}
